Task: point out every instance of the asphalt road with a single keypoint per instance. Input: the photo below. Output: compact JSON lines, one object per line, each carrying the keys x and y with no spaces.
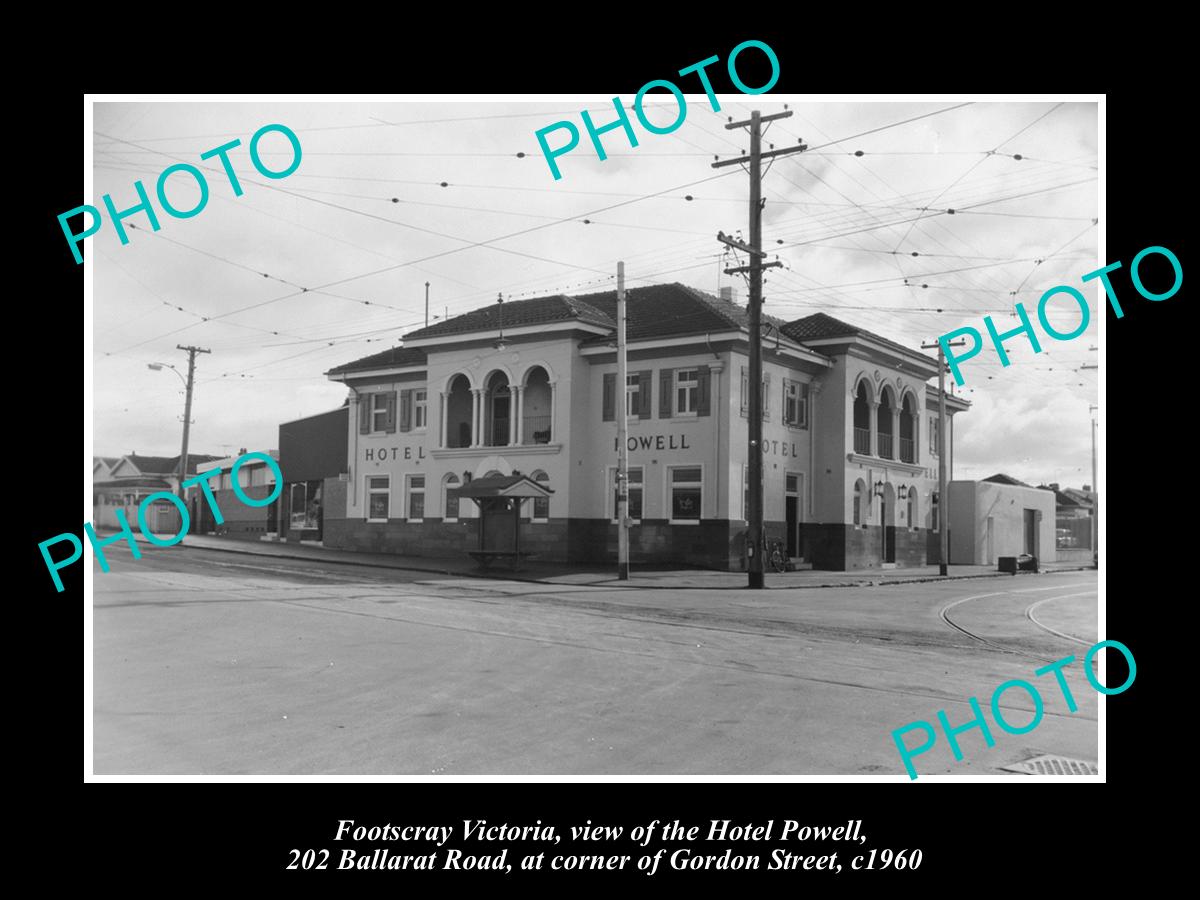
{"x":215,"y":663}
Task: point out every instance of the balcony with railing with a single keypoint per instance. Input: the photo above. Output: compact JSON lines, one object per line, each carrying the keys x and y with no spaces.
{"x":862,"y":440}
{"x":499,"y":433}
{"x":535,"y":430}
{"x":907,"y":450}
{"x":885,"y":446}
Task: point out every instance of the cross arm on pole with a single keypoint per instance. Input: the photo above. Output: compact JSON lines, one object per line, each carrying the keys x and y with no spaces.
{"x":736,"y":270}
{"x":738,"y":245}
{"x":771,"y":118}
{"x":768,"y":155}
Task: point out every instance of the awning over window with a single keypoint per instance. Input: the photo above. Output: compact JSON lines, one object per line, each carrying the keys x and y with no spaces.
{"x":504,"y":486}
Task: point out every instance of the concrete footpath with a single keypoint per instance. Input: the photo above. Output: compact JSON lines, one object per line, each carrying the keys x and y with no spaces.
{"x":556,"y":573}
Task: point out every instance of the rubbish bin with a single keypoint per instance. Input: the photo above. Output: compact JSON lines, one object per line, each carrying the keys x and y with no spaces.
{"x":1008,"y":564}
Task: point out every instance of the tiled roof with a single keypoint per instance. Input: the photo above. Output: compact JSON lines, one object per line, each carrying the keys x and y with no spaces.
{"x":1063,"y":499}
{"x":667,"y":310}
{"x":654,"y":311}
{"x":821,"y":325}
{"x":516,"y":314}
{"x":167,"y":465}
{"x":1001,"y":478}
{"x":392,"y":358}
{"x":141,"y":481}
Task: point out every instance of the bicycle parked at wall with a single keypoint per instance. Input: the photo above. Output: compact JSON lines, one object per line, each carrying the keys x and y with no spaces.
{"x":775,"y":556}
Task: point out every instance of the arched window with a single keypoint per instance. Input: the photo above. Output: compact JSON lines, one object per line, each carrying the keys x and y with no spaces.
{"x":859,"y":499}
{"x":450,"y":499}
{"x":541,"y":505}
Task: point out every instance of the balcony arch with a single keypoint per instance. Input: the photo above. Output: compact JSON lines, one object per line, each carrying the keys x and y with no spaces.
{"x":910,"y":419}
{"x":536,"y":406}
{"x":885,"y":423}
{"x":497,"y":409}
{"x":458,"y":418}
{"x":862,"y":418}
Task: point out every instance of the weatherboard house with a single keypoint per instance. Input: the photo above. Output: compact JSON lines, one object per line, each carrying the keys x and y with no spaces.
{"x":529,"y":388}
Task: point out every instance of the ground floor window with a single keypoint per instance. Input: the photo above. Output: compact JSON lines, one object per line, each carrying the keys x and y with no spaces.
{"x":450,"y":506}
{"x":379,"y":497}
{"x":635,"y":492}
{"x":859,"y":490}
{"x":541,"y":505}
{"x":416,"y":498}
{"x":686,"y":487}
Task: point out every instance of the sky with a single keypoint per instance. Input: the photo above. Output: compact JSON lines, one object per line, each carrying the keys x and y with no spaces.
{"x":329,"y":264}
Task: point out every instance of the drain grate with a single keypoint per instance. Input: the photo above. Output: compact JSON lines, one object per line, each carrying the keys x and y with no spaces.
{"x":1053,"y":765}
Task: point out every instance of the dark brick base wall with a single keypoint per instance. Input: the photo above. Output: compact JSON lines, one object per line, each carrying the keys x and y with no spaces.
{"x":712,"y":544}
{"x":845,"y":548}
{"x":656,"y":542}
{"x":437,"y":539}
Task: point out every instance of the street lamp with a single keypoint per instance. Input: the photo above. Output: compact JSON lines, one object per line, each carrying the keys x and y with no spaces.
{"x":158,"y":367}
{"x":902,"y":493}
{"x":879,"y":489}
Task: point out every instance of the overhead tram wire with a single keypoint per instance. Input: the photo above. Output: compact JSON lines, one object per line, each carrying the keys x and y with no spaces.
{"x":886,"y":184}
{"x":379,"y":123}
{"x":240,"y":204}
{"x":469,"y":244}
{"x":656,"y":194}
{"x":988,"y":155}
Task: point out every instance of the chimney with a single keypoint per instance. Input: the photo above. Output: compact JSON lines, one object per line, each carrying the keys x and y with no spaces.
{"x":1087,"y":488}
{"x":729,"y":294}
{"x":242,"y":451}
{"x":1054,"y":485}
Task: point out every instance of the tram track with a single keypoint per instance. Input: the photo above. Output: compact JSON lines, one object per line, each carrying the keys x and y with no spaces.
{"x":944,"y":615}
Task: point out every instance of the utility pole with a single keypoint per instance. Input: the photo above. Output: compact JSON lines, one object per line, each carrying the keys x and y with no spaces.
{"x":754,"y":515}
{"x":427,"y":304}
{"x":621,"y":399}
{"x":187,"y":415}
{"x":943,"y":499}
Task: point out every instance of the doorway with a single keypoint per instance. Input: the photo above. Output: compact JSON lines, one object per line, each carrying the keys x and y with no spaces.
{"x":792,"y":493}
{"x":500,"y":425}
{"x":991,"y":541}
{"x":1031,"y":540}
{"x":887,"y":522}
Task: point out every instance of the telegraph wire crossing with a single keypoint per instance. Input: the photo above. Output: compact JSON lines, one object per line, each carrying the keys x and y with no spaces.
{"x":350,"y":298}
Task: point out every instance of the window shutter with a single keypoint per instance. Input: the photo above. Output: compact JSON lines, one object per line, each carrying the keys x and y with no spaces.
{"x":766,"y":396}
{"x":610,"y":384}
{"x":702,"y":402}
{"x":364,"y":413}
{"x":406,"y":406}
{"x":645,"y":386}
{"x":804,"y":404}
{"x":745,"y":390}
{"x":389,"y":418}
{"x":666,"y":383}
